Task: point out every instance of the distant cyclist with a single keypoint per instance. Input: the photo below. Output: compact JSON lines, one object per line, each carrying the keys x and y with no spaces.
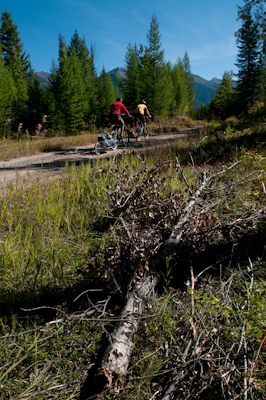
{"x":141,"y":112}
{"x":115,"y":113}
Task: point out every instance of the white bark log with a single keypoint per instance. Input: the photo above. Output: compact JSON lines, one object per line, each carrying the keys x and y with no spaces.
{"x":117,"y":355}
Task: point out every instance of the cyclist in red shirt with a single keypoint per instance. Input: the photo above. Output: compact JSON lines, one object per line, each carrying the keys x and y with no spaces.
{"x":115,"y":111}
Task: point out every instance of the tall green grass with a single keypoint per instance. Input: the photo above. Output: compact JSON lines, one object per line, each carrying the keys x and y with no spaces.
{"x":46,"y":229}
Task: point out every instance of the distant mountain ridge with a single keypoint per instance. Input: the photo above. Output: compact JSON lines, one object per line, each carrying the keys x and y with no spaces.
{"x":205,"y":90}
{"x":43,"y":78}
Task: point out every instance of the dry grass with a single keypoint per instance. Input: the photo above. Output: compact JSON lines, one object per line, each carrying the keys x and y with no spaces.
{"x":175,"y":124}
{"x":28,"y":147}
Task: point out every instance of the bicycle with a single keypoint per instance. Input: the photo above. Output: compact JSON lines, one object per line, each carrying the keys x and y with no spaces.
{"x":116,"y":132}
{"x":140,"y":130}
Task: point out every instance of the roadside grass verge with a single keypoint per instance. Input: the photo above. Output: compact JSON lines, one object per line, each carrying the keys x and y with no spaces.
{"x":27,"y":147}
{"x":61,"y":236}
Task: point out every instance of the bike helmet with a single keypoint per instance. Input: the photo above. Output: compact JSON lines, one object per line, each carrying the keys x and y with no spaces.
{"x":143,"y":102}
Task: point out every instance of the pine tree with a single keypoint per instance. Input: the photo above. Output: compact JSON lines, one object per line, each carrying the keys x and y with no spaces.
{"x":262,"y":82}
{"x":7,"y":94}
{"x":68,"y":88}
{"x":259,"y":8}
{"x":152,"y":61}
{"x":11,"y":43}
{"x":88,"y":74}
{"x":35,"y":109}
{"x":131,"y":89}
{"x":190,"y":81}
{"x":223,"y":102}
{"x":94,"y":102}
{"x":155,"y":74}
{"x":55,"y":117}
{"x":107,"y":95}
{"x":167,"y":95}
{"x":53,"y":77}
{"x":248,"y":42}
{"x":181,"y":90}
{"x":15,"y":61}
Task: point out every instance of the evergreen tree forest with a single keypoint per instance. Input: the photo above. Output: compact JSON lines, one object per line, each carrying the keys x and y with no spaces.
{"x":76,"y":99}
{"x":243,"y":94}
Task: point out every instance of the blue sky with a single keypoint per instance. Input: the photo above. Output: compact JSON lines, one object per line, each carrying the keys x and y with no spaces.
{"x":205,"y":29}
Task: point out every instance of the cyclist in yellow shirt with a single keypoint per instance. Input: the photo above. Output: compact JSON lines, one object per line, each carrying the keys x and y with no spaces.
{"x":141,"y":112}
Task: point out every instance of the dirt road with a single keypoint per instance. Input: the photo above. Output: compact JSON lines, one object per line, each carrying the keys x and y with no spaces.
{"x":51,"y":164}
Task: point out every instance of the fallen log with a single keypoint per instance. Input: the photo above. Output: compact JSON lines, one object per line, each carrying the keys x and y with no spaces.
{"x":117,"y":355}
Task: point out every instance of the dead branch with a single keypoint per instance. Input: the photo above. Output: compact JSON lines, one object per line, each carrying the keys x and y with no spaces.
{"x":170,"y":244}
{"x":183,"y":176}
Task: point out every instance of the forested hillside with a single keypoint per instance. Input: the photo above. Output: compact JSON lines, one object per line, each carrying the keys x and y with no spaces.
{"x":205,"y":90}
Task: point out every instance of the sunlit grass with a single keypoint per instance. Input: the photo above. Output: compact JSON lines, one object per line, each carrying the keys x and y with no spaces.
{"x":46,"y":229}
{"x":27,"y":147}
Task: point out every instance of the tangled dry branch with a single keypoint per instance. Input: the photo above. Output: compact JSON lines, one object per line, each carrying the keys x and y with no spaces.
{"x":148,"y":228}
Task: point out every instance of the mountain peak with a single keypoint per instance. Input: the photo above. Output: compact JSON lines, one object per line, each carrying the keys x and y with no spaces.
{"x":216,"y":80}
{"x":122,"y":72}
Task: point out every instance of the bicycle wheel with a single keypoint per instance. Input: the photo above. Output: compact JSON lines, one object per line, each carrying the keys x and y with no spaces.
{"x":138,"y":131}
{"x":97,"y":148}
{"x":146,"y":133}
{"x":113,"y":134}
{"x":114,"y":147}
{"x":125,"y":138}
{"x":118,"y":136}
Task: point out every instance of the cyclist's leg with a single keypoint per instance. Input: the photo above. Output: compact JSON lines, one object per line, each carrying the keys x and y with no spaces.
{"x":144,"y":121}
{"x":112,"y":120}
{"x":121,"y":123}
{"x":115,"y":131}
{"x":138,"y":122}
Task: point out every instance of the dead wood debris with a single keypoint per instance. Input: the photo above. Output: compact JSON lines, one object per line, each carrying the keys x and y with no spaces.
{"x":149,"y":227}
{"x":150,"y":221}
